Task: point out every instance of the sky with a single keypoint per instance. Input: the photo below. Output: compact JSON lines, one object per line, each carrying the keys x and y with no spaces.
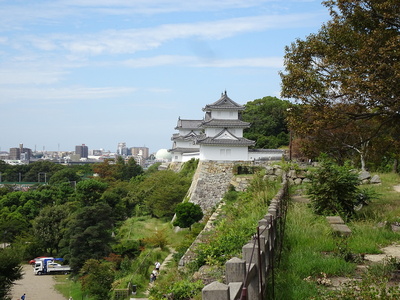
{"x":101,"y":72}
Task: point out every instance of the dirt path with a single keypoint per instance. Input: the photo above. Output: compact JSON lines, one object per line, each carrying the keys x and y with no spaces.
{"x":35,"y":287}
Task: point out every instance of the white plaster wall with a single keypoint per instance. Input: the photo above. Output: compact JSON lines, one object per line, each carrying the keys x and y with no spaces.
{"x":176,"y":157}
{"x":223,"y":153}
{"x":214,"y":131}
{"x":225,"y":114}
{"x":185,"y":144}
{"x":188,"y":156}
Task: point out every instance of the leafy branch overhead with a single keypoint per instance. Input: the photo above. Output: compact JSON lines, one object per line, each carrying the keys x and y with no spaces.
{"x":348,"y":72}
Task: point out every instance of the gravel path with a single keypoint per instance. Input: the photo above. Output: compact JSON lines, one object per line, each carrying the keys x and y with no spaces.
{"x":35,"y":287}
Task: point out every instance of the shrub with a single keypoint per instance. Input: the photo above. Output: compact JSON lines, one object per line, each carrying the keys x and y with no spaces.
{"x":333,"y":189}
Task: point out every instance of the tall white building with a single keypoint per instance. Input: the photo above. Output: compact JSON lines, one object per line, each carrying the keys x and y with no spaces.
{"x":122,"y":149}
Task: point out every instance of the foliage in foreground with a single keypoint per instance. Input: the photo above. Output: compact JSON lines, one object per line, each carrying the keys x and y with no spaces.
{"x":346,"y":79}
{"x":312,"y":255}
{"x":10,"y":271}
{"x":96,"y":278}
{"x":373,"y":284}
{"x":333,"y":189}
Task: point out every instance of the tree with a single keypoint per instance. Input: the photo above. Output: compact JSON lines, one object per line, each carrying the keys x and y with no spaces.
{"x":41,"y":171}
{"x":268,"y":123}
{"x":96,"y":278}
{"x":325,"y":130}
{"x":64,"y":175}
{"x":162,"y":191}
{"x":12,"y":224}
{"x":48,"y":227}
{"x":353,"y":60}
{"x":10,"y":271}
{"x":88,"y":192}
{"x":187,"y":214}
{"x":89,"y":234}
{"x":333,"y":189}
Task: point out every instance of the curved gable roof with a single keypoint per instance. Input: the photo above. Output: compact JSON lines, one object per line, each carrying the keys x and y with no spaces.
{"x":223,"y":103}
{"x":226,"y":138}
{"x":188,"y":124}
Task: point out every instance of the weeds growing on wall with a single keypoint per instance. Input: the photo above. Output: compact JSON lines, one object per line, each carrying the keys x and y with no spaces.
{"x":237,"y":222}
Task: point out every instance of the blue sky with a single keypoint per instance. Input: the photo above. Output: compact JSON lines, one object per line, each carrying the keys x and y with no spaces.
{"x":100,"y":72}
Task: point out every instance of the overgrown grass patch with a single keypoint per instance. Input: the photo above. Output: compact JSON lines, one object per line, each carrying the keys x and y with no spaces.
{"x":369,"y":236}
{"x":68,"y":287}
{"x":309,"y":250}
{"x":236,"y":224}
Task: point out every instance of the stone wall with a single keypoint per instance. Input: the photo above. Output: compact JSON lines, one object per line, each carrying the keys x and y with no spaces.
{"x":247,"y":277}
{"x":210,"y":182}
{"x":212,"y":179}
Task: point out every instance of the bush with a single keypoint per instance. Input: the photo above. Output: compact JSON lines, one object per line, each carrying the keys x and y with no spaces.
{"x":333,"y":189}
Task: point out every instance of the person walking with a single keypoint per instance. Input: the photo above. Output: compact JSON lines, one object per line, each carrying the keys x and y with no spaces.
{"x":158,"y":265}
{"x":23,"y":297}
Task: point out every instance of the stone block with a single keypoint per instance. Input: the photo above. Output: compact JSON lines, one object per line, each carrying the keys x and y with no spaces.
{"x":375,"y":180}
{"x":335,"y":220}
{"x":341,"y":229}
{"x":235,"y":270}
{"x":235,"y":289}
{"x":364,"y":175}
{"x":215,"y":291}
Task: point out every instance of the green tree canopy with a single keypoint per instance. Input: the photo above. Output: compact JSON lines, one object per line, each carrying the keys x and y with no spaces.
{"x":159,"y":192}
{"x":352,"y":62}
{"x":88,"y":192}
{"x":89,"y":234}
{"x":64,"y":175}
{"x":10,"y":271}
{"x":41,"y":170}
{"x":49,"y":227}
{"x":187,"y":214}
{"x":268,"y":124}
{"x":96,"y":278}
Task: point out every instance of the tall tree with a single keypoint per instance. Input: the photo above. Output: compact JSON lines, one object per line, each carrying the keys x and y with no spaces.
{"x":353,"y":60}
{"x":268,"y":124}
{"x":48,"y":227}
{"x":10,"y":271}
{"x":89,"y":234}
{"x":96,"y":278}
{"x":328,"y":130}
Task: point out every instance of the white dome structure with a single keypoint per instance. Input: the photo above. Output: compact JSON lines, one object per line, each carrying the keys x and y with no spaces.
{"x":163,"y":154}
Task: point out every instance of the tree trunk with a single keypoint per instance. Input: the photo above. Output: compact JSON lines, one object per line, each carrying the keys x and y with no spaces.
{"x":395,"y":165}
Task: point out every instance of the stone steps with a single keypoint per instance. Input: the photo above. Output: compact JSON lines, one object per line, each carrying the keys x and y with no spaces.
{"x":338,"y":226}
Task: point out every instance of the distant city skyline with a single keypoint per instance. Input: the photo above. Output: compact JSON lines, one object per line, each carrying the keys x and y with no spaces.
{"x":104,"y":72}
{"x":35,"y":149}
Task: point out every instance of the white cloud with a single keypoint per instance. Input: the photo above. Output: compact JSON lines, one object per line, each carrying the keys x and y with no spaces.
{"x":134,"y":40}
{"x":65,"y":93}
{"x":123,"y":7}
{"x":193,"y":61}
{"x":29,"y":76}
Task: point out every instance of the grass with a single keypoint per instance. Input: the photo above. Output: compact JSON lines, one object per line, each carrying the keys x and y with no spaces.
{"x":310,"y":249}
{"x":69,"y":288}
{"x":307,"y":242}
